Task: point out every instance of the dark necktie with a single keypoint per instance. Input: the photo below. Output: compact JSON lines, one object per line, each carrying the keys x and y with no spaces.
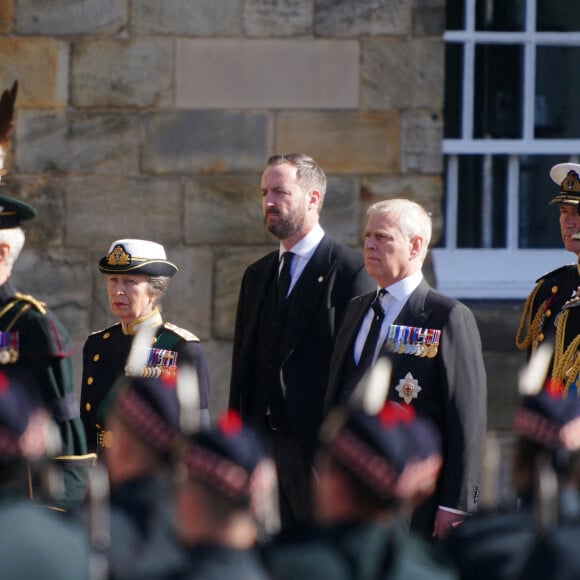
{"x":370,"y":345}
{"x":284,"y":277}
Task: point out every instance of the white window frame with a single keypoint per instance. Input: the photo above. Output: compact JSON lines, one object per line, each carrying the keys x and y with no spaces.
{"x":507,"y":273}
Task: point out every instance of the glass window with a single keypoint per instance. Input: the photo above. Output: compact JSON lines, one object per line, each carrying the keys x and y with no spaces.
{"x":500,"y":15}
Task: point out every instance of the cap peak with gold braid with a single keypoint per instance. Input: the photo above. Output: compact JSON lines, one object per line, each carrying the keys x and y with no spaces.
{"x":567,"y":176}
{"x":137,"y":256}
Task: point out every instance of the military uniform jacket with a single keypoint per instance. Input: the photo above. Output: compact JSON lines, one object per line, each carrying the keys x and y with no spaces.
{"x":452,"y":386}
{"x":104,"y":358}
{"x":553,"y":302}
{"x":358,"y":551}
{"x":44,"y":350}
{"x":334,"y":275}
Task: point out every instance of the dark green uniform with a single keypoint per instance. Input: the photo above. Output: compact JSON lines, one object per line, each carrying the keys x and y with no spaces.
{"x":360,"y":551}
{"x":43,"y":349}
{"x":38,"y":543}
{"x":105,"y":356}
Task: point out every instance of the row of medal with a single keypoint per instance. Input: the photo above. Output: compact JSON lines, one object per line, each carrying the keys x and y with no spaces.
{"x":423,"y":342}
{"x":9,"y":348}
{"x":160,"y":362}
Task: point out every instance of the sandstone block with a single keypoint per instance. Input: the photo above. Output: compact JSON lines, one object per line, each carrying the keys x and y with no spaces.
{"x":260,"y":73}
{"x":188,"y":299}
{"x":429,"y":18}
{"x":402,"y":74}
{"x":6,"y":16}
{"x":423,"y":189}
{"x":136,"y":73}
{"x":219,"y":360}
{"x":186,"y":18}
{"x":373,"y":139}
{"x":104,"y":143}
{"x":362,"y":18}
{"x":100,"y":211}
{"x":225,"y":210}
{"x":278,"y":18}
{"x":230,"y":265}
{"x":205,"y":141}
{"x":421,"y":136}
{"x":71,"y":17}
{"x":41,"y":67}
{"x":341,"y":203}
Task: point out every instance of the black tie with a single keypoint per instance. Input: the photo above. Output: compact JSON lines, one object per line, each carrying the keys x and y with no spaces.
{"x":284,"y":277}
{"x":370,"y":345}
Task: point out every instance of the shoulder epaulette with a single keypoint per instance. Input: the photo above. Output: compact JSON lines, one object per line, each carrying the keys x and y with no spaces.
{"x":559,"y":270}
{"x":181,"y":332}
{"x":40,"y":306}
{"x":104,"y":329}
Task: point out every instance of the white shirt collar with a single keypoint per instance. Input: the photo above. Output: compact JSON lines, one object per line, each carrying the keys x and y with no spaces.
{"x":402,"y":289}
{"x":308,"y":244}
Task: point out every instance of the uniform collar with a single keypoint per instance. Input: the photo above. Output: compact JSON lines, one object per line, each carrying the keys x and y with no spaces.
{"x":7,"y":291}
{"x":131,"y":328}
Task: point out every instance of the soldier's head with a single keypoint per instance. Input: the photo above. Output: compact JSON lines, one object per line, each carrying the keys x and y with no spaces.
{"x":368,"y":466}
{"x":142,"y":432}
{"x":567,"y":177}
{"x":138,"y":275}
{"x":222,"y":476}
{"x":24,"y":423}
{"x":548,"y":433}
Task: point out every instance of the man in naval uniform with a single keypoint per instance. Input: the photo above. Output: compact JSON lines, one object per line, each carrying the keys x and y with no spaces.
{"x":138,"y":275}
{"x":435,"y":349}
{"x":551,"y":314}
{"x":32,"y":338}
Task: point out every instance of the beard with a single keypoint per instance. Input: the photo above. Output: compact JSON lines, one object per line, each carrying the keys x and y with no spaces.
{"x":284,"y":228}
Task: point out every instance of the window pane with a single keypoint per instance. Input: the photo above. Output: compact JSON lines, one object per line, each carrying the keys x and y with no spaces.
{"x":454,"y":11}
{"x":538,"y":221}
{"x":498,"y":92}
{"x":453,"y":100}
{"x":481,"y":202}
{"x":558,"y":15}
{"x":557,"y":114}
{"x":500,"y":15}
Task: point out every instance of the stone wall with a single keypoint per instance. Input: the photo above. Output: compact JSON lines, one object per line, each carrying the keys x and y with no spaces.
{"x":153,"y":119}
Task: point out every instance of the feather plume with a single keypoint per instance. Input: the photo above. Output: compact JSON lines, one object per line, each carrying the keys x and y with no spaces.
{"x":7,"y":112}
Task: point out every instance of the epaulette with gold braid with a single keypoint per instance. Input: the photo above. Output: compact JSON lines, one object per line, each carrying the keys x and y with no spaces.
{"x":181,"y":332}
{"x":40,"y":306}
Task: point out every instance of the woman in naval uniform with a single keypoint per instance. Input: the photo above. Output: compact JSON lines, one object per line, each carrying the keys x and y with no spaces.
{"x":138,"y":274}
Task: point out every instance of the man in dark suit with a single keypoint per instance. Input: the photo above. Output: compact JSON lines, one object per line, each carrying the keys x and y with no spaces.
{"x":286,"y":323}
{"x":435,"y":348}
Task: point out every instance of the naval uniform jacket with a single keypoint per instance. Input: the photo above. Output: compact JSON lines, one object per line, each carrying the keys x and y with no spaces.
{"x":333,"y":275}
{"x":544,"y":307}
{"x":44,"y":351}
{"x":104,"y":358}
{"x":453,"y":389}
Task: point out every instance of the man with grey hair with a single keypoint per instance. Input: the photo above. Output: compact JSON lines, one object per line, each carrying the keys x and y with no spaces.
{"x":290,"y":305}
{"x":33,"y":339}
{"x":435,"y":349}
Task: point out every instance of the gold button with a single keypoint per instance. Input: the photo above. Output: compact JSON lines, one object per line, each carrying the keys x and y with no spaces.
{"x":541,"y":336}
{"x":554,"y":289}
{"x":106,"y":335}
{"x":90,"y":381}
{"x":96,"y":357}
{"x":548,"y":314}
{"x":88,"y":406}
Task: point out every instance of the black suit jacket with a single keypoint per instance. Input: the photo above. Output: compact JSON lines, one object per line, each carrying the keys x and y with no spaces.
{"x":453,"y":384}
{"x":334,"y":275}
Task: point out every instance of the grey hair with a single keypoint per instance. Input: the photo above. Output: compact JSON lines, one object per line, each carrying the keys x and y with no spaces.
{"x":411,"y":218}
{"x":310,"y":175}
{"x":15,"y":238}
{"x":158,"y":286}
